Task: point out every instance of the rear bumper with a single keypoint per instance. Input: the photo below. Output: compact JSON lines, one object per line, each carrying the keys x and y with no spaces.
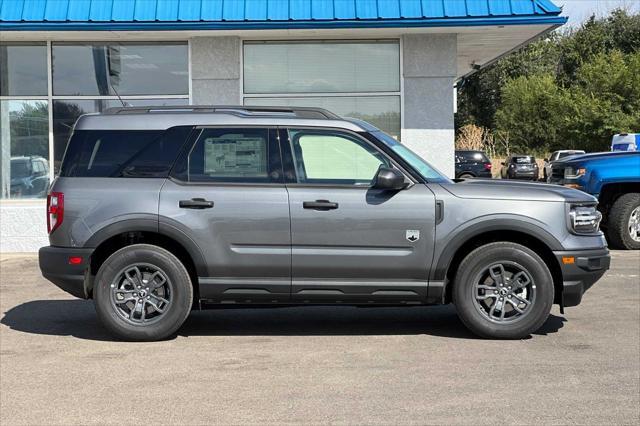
{"x":587,"y":268}
{"x":55,"y":266}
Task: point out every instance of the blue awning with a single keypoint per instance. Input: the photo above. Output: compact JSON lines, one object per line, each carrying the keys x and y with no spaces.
{"x":135,"y":15}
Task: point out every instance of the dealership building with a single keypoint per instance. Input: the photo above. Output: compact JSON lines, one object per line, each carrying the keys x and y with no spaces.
{"x":393,"y":63}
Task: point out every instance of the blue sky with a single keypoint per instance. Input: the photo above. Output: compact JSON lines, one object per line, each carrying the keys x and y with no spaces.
{"x":579,"y":10}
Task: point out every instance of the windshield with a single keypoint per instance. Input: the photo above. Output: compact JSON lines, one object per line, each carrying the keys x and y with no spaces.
{"x":567,"y":154}
{"x":426,"y":170}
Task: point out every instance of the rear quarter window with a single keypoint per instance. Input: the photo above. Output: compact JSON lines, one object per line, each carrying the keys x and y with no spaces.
{"x":472,"y":156}
{"x":123,"y":153}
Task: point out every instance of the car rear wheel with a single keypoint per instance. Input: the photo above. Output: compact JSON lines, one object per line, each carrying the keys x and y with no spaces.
{"x":142,"y":292}
{"x":503,"y":290}
{"x":466,"y":176}
{"x":623,"y":223}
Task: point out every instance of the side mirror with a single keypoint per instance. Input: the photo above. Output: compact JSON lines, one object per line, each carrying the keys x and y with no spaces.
{"x":389,"y":179}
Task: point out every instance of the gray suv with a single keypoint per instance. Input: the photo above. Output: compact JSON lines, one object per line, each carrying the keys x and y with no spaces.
{"x":157,"y":211}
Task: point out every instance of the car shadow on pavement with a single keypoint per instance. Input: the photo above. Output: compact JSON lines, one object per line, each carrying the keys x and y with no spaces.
{"x":78,"y":318}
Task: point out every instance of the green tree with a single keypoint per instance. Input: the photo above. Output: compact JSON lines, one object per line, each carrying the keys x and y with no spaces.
{"x":587,"y":84}
{"x":540,"y":116}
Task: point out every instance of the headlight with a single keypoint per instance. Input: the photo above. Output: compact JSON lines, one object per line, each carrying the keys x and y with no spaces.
{"x":571,"y":173}
{"x":584,"y":219}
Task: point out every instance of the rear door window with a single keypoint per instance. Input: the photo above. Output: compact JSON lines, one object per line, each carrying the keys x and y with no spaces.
{"x":240,"y":155}
{"x":123,"y":153}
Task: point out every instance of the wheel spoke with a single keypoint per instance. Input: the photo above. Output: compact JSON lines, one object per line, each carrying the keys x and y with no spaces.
{"x":515,"y":306}
{"x":157,"y":280}
{"x":497,"y":274}
{"x":124,"y":296}
{"x":486,"y":296}
{"x":521,"y":280}
{"x":143,"y":310}
{"x":521,"y":299}
{"x":134,"y":310}
{"x":134,"y":276}
{"x":156,"y":301}
{"x":502,"y":312}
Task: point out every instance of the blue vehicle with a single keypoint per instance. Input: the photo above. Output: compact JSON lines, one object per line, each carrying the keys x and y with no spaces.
{"x":613,"y":178}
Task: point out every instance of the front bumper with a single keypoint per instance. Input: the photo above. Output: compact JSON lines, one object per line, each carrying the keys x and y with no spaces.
{"x":588,"y":267}
{"x":55,"y":266}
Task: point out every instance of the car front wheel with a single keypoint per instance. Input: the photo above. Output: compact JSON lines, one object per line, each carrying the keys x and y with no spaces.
{"x":503,"y":290}
{"x":142,"y":292}
{"x":623,"y":227}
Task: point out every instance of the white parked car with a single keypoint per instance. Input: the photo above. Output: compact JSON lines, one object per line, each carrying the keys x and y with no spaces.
{"x":546,"y":171}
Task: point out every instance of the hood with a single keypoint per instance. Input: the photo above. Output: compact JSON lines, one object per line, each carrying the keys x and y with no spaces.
{"x":596,"y":156}
{"x":497,"y":189}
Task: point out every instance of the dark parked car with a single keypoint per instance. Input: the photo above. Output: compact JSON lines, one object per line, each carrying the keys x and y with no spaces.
{"x":555,"y":156}
{"x":159,"y":211}
{"x":29,"y":177}
{"x":520,"y":167}
{"x":471,"y":164}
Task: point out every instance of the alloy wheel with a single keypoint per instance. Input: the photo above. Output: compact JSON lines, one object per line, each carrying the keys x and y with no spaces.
{"x":634,"y":224}
{"x":141,"y":294}
{"x":504,"y":292}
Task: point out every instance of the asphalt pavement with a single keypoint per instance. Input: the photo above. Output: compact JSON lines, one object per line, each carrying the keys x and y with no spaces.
{"x":339,"y":365}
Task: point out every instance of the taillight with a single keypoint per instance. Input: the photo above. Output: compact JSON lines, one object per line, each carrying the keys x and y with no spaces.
{"x":55,"y":210}
{"x":487,"y":166}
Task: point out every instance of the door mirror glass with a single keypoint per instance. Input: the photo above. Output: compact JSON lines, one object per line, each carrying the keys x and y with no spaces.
{"x":389,"y":179}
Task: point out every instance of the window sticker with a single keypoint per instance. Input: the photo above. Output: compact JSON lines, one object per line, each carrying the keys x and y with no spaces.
{"x":235,"y":157}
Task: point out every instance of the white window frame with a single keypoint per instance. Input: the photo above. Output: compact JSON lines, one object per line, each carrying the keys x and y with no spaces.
{"x":50,"y":97}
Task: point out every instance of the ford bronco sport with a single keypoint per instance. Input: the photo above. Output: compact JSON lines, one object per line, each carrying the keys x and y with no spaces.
{"x":157,"y":211}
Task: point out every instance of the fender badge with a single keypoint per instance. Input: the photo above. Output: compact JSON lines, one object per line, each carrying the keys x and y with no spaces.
{"x":413,"y":235}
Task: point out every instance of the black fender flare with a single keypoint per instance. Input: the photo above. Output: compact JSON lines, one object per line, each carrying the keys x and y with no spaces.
{"x":150,"y":223}
{"x":482,"y":226}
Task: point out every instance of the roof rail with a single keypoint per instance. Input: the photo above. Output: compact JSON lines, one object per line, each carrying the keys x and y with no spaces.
{"x":298,"y":112}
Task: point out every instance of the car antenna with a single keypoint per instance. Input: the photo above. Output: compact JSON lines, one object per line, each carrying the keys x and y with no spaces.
{"x":124,"y":104}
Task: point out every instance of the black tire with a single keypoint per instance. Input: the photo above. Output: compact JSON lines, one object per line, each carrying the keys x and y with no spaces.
{"x":466,"y":176}
{"x":178,"y":285}
{"x":517,"y":256}
{"x":618,"y":222}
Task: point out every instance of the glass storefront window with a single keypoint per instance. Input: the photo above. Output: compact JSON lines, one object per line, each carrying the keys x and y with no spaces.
{"x":24,"y":149}
{"x":23,"y":69}
{"x":66,"y":112}
{"x":321,"y":67}
{"x":381,"y":111}
{"x":94,"y":69}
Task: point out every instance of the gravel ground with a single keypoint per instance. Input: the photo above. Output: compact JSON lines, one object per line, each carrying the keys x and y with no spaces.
{"x":318,"y":365}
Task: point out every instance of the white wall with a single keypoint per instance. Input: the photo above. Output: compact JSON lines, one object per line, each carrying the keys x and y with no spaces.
{"x":23,"y":227}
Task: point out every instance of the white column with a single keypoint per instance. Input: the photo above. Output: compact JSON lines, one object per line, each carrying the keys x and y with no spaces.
{"x":429,"y":72}
{"x":215,"y":70}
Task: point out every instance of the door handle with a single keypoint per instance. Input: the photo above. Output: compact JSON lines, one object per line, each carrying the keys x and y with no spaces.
{"x":320,"y":205}
{"x":195,"y":203}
